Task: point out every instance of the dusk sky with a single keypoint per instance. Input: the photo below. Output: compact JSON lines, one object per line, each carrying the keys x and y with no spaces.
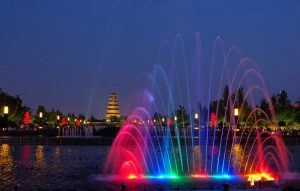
{"x":70,"y":54}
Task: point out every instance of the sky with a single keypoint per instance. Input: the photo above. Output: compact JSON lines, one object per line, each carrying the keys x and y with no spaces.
{"x":70,"y":54}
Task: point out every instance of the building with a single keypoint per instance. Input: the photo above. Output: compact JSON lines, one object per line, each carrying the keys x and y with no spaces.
{"x":112,"y":107}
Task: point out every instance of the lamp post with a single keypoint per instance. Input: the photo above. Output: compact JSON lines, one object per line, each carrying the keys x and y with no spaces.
{"x":236,"y":112}
{"x":236,"y":116}
{"x":196,"y":116}
{"x":5,"y":112}
{"x":57,"y":120}
{"x":40,"y":116}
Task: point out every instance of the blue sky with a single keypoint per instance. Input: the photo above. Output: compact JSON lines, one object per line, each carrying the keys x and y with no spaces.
{"x":70,"y":54}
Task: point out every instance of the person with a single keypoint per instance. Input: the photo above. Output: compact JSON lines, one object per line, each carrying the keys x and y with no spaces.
{"x":259,"y":184}
{"x":124,"y":187}
{"x":226,"y":186}
{"x":17,"y":187}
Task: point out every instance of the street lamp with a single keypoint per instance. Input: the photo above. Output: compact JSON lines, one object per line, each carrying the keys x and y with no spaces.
{"x":236,"y":115}
{"x":175,"y":118}
{"x":41,"y":114}
{"x":236,"y":112}
{"x":163,"y":119}
{"x":5,"y":110}
{"x":57,"y":120}
{"x":196,"y":116}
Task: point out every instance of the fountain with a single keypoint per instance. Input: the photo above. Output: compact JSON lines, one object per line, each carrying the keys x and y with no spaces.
{"x":224,"y":139}
{"x":75,"y":131}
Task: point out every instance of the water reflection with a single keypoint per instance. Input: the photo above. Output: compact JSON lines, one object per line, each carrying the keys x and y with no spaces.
{"x":39,"y":156}
{"x":40,"y":167}
{"x":6,"y":164}
{"x":57,"y":152}
{"x":237,"y":156}
{"x":26,"y":155}
{"x":58,"y":167}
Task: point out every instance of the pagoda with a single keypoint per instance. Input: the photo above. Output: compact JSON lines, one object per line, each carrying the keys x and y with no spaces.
{"x":112,"y":107}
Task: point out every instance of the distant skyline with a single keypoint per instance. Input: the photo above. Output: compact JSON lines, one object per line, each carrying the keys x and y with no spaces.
{"x":70,"y":55}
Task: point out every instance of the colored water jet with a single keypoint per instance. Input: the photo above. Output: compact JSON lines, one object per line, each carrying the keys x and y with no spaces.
{"x":218,"y":141}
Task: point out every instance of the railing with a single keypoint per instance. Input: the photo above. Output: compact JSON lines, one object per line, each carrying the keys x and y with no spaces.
{"x":94,"y":140}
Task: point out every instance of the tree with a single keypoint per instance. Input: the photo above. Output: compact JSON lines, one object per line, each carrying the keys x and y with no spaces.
{"x":182,"y":117}
{"x":243,"y":105}
{"x":92,"y":119}
{"x":283,"y":101}
{"x":157,"y":117}
{"x":16,"y":108}
{"x":274,"y":102}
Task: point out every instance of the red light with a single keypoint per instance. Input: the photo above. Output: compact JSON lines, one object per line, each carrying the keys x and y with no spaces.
{"x":213,"y":120}
{"x":26,"y":119}
{"x":63,"y":121}
{"x":78,"y":122}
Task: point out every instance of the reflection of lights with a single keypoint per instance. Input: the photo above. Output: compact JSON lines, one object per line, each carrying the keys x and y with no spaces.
{"x":163,"y":176}
{"x":196,"y":128}
{"x":196,"y":116}
{"x":41,"y":114}
{"x":252,"y":178}
{"x":175,"y":118}
{"x":58,"y":117}
{"x":6,"y":159}
{"x":131,"y":176}
{"x":163,"y":119}
{"x":39,"y":155}
{"x":40,"y":127}
{"x":199,"y":176}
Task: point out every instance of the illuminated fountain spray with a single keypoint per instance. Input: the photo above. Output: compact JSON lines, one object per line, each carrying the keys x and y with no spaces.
{"x":225,"y":138}
{"x":74,"y":131}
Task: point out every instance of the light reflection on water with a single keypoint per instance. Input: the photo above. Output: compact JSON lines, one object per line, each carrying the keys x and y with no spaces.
{"x":6,"y":163}
{"x":41,"y":166}
{"x":67,"y":167}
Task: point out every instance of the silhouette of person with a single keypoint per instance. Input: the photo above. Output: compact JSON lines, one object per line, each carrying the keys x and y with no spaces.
{"x":124,"y":187}
{"x":226,"y":186}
